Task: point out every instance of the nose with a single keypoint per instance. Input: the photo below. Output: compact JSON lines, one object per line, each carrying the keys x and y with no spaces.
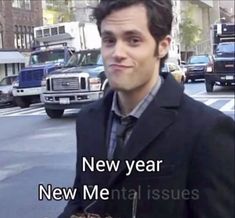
{"x":119,"y":52}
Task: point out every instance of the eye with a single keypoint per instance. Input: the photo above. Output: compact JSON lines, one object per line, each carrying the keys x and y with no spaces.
{"x":108,"y":41}
{"x":134,"y":41}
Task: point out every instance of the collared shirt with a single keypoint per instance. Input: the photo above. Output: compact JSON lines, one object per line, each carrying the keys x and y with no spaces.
{"x":117,"y":118}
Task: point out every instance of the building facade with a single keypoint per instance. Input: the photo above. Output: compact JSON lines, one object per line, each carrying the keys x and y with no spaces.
{"x":227,"y":10}
{"x":58,"y":11}
{"x":204,"y":14}
{"x":83,"y":10}
{"x":174,"y":53}
{"x":17,"y":21}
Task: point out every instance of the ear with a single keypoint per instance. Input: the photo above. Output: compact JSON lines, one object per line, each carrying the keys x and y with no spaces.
{"x":164,"y":46}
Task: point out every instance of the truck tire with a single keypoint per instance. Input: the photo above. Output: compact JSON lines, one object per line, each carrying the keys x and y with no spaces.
{"x":54,"y":113}
{"x":13,"y":103}
{"x":22,"y":102}
{"x":209,"y":86}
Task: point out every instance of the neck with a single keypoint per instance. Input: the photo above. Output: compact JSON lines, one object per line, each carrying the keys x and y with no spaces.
{"x":128,"y":100}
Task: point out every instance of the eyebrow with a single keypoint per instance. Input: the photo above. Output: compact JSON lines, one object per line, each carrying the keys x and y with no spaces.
{"x":107,"y":33}
{"x":127,"y":33}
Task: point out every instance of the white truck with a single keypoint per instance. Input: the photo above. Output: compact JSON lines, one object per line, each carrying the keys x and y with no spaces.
{"x":53,"y":47}
{"x":80,"y":82}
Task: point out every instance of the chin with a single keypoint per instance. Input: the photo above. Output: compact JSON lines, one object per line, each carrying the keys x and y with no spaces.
{"x":119,"y":86}
{"x":116,"y":88}
{"x":121,"y":89}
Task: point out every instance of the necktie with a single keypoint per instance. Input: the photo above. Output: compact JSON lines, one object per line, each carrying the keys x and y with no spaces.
{"x":123,"y":128}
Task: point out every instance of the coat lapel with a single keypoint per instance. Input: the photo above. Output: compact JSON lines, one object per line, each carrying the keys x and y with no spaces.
{"x":159,"y":115}
{"x":96,"y":142}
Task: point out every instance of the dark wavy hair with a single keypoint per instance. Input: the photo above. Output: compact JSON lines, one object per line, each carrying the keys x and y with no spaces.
{"x":159,"y":15}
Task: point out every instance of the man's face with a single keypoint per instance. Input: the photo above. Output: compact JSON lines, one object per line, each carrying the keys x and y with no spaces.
{"x":128,"y":50}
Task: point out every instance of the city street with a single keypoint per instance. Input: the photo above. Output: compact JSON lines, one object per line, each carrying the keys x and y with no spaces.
{"x":35,"y":149}
{"x":57,"y":52}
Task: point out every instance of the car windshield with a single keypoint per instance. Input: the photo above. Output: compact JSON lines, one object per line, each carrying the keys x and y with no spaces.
{"x":85,"y":59}
{"x":7,"y":81}
{"x":45,"y":57}
{"x":226,"y":48}
{"x":198,"y":60}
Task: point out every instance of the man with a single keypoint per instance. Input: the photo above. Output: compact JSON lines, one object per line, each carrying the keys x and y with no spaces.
{"x":148,"y":118}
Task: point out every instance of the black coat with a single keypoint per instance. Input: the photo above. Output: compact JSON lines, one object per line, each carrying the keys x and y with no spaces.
{"x":195,"y":142}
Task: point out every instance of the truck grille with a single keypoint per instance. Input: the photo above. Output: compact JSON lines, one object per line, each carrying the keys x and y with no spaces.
{"x":60,"y":84}
{"x":196,"y":68}
{"x":224,"y":66}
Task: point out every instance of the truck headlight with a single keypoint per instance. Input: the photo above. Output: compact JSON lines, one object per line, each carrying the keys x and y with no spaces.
{"x":43,"y":82}
{"x":95,"y":84}
{"x":209,"y":69}
{"x":15,"y":84}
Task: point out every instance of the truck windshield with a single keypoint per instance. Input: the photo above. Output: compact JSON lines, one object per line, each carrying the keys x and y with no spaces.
{"x":226,"y":48}
{"x":198,"y":60}
{"x":84,"y":59}
{"x":45,"y":57}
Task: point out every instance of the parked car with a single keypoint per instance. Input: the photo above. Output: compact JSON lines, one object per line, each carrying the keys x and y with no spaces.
{"x":175,"y":70}
{"x":223,"y":73}
{"x":6,"y":86}
{"x":197,"y":66}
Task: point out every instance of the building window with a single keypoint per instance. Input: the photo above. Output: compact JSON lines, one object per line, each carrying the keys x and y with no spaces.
{"x":23,"y":37}
{"x":30,"y":36}
{"x":19,"y":37}
{"x":18,"y":3}
{"x":16,"y":37}
{"x":28,"y":41}
{"x":13,"y":69}
{"x":6,"y":73}
{"x":1,"y":35}
{"x":23,"y":4}
{"x":9,"y":69}
{"x":27,"y":4}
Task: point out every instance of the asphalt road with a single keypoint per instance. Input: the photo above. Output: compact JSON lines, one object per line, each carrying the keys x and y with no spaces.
{"x":222,"y":98}
{"x":37,"y":150}
{"x":34,"y":150}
